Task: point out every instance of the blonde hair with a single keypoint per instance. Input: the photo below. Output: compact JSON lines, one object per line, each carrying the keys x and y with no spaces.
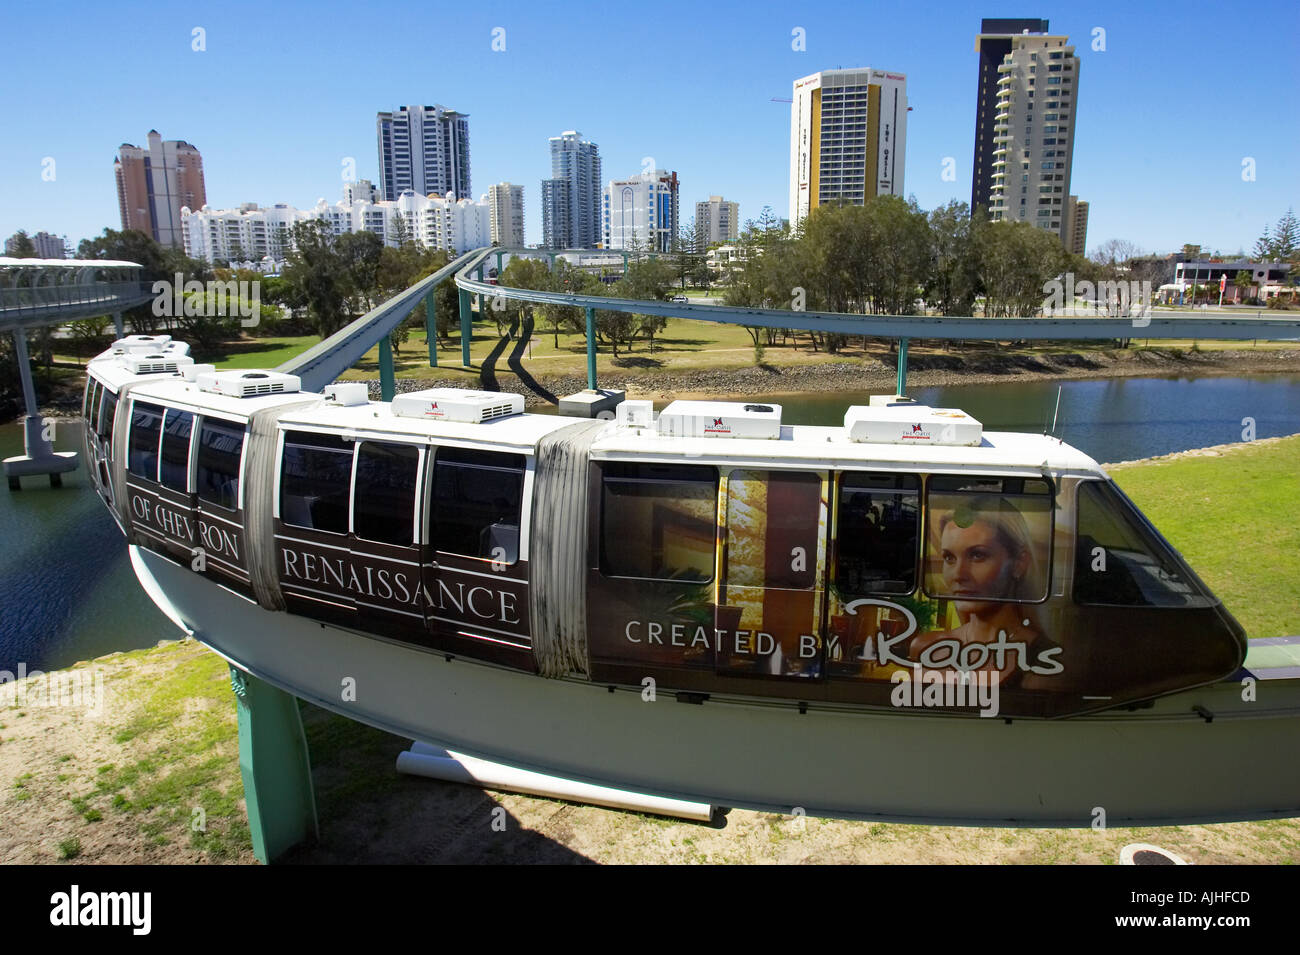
{"x":1012,"y":533}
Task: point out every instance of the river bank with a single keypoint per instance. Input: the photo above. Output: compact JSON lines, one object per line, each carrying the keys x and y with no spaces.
{"x":124,"y":781}
{"x":924,"y":370}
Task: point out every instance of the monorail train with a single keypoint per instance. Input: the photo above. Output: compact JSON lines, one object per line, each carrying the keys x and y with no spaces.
{"x":837,"y":606}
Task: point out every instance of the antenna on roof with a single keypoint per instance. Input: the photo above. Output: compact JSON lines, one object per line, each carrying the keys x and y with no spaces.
{"x":1057,"y":411}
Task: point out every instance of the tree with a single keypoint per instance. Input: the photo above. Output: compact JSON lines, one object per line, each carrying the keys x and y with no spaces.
{"x":360,"y":254}
{"x":401,"y":232}
{"x":1016,"y":261}
{"x":1242,"y":282}
{"x":1285,"y":240}
{"x":22,"y":246}
{"x":954,"y":272}
{"x":316,"y":273}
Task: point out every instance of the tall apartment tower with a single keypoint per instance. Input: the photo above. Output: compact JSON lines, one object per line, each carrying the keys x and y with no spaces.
{"x":848,"y":138}
{"x":1030,"y":151}
{"x":506,"y":202}
{"x":571,"y":197}
{"x":992,"y":44}
{"x":424,"y":149}
{"x":1076,"y":226}
{"x":642,"y":212}
{"x":155,"y":183}
{"x":716,"y":221}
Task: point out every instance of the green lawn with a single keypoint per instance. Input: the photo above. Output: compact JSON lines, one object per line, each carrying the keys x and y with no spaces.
{"x":1234,"y":518}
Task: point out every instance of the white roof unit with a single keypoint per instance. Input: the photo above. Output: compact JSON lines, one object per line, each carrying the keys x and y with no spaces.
{"x":455,"y":404}
{"x":348,"y":394}
{"x":912,"y":424}
{"x":154,"y":363}
{"x":140,"y":343}
{"x":248,"y":384}
{"x":720,"y":419}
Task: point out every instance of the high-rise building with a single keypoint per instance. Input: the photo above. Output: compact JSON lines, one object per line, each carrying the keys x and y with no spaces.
{"x":716,"y":221}
{"x":992,"y":44}
{"x":571,"y":198}
{"x":641,"y":212}
{"x":848,"y":138}
{"x":424,"y":149}
{"x":506,"y":202}
{"x":1031,"y":149}
{"x":45,"y":245}
{"x":155,"y":183}
{"x":362,"y":190}
{"x":1076,"y":226}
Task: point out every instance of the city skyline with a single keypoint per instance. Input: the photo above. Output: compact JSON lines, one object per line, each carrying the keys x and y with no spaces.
{"x":1141,"y":156}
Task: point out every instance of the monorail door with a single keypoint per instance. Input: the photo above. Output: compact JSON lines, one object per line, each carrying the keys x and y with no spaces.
{"x":770,"y":612}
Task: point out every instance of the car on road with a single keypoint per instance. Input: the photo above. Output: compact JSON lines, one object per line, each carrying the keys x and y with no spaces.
{"x":681,"y":300}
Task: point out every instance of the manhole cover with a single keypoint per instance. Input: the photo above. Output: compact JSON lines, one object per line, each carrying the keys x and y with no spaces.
{"x":1139,"y":853}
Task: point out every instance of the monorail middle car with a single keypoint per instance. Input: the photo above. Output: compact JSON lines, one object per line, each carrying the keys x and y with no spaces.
{"x":713,"y":550}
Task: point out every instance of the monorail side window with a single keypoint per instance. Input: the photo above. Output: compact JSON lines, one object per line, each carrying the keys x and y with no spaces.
{"x":142,"y":448}
{"x":658,"y":521}
{"x":107,"y":414}
{"x":92,"y":408}
{"x":988,"y":538}
{"x":477,"y":497}
{"x":877,"y":531}
{"x":174,"y":469}
{"x":315,"y":481}
{"x":86,"y":402}
{"x":383,"y":503}
{"x":772,"y":531}
{"x":221,"y":443}
{"x":1120,"y":560}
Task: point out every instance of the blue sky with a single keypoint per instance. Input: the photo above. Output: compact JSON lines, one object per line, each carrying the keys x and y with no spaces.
{"x":284,"y":93}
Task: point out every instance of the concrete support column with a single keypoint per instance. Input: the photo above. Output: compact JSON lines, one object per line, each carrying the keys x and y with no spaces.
{"x":591,"y":348}
{"x":431,"y":326}
{"x":902,"y":367}
{"x":387,"y":375}
{"x":119,"y":325}
{"x":466,"y":327}
{"x":275,"y":767}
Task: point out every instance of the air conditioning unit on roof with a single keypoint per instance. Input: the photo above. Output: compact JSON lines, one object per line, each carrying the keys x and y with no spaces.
{"x":455,"y":404}
{"x":903,"y":423}
{"x":720,"y":419}
{"x":154,"y":363}
{"x":249,"y":384}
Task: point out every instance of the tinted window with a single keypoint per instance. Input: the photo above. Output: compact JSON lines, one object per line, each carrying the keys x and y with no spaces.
{"x":108,"y":414}
{"x":217,"y":477}
{"x":1121,"y":560}
{"x":86,"y":402}
{"x":174,"y":471}
{"x":877,"y":529}
{"x":315,"y":478}
{"x":476,"y":503}
{"x":988,"y":538}
{"x":146,"y":429}
{"x":384,"y":502}
{"x":658,"y":521}
{"x":92,"y":410}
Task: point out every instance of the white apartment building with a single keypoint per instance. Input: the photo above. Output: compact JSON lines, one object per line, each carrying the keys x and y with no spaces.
{"x":848,"y":138}
{"x":716,"y":221}
{"x":1033,"y":134}
{"x":423,"y":148}
{"x":641,"y":212}
{"x":506,"y":208}
{"x":253,"y":234}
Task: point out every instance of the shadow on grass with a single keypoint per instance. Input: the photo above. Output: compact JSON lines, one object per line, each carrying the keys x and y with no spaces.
{"x":370,"y":813}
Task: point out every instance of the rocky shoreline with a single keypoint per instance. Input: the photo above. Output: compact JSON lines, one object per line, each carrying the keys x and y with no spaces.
{"x":924,"y":370}
{"x":867,"y":374}
{"x":1213,"y":451}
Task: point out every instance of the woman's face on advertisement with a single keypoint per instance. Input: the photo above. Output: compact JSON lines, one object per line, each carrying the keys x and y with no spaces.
{"x":976,"y":564}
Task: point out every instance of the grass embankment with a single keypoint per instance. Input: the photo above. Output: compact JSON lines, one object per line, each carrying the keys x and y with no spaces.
{"x":125,"y":786}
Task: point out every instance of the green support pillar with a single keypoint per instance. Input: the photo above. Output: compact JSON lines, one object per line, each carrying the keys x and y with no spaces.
{"x":902,"y":366}
{"x":499,"y":254}
{"x":431,"y":326}
{"x":624,"y":264}
{"x":275,"y":767}
{"x":466,"y":327}
{"x":387,"y":384}
{"x":591,"y":348}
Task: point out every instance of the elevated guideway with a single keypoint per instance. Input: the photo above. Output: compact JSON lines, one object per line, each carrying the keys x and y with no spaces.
{"x":35,"y":293}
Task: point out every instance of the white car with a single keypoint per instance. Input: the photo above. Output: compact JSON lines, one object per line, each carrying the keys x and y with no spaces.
{"x":681,"y":300}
